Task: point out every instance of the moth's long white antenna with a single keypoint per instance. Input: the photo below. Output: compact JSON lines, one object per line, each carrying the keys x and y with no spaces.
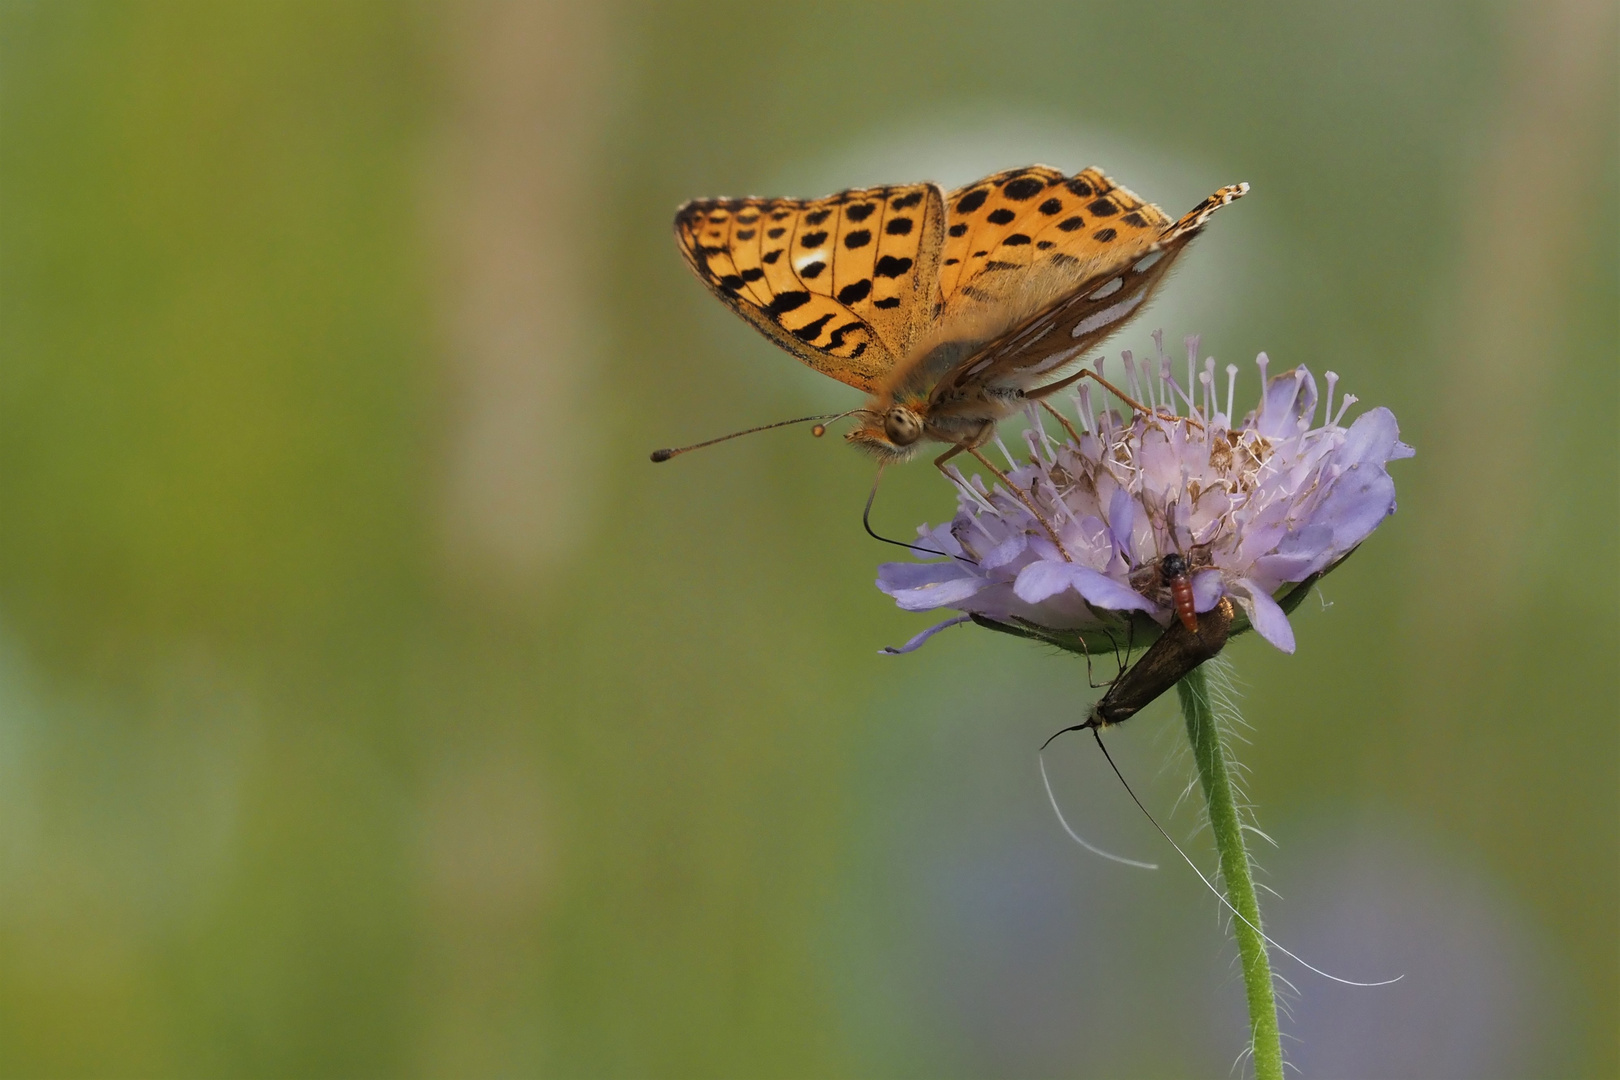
{"x":1226,"y":903}
{"x":1076,"y":837}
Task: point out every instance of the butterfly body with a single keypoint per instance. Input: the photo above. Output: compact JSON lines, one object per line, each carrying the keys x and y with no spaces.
{"x":951,"y":311}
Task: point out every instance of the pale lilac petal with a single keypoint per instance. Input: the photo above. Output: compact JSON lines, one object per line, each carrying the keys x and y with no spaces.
{"x":940,"y":537}
{"x":1039,"y":581}
{"x":1372,"y":438}
{"x":898,"y":576}
{"x":1299,"y":554}
{"x":1004,"y":552}
{"x":917,"y":642}
{"x":1357,"y":504}
{"x":1265,"y":615}
{"x":941,"y":594}
{"x":1121,"y":519}
{"x":1207,"y":589}
{"x":1287,"y":397}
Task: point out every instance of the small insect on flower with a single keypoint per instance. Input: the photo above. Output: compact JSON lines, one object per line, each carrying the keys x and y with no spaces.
{"x":1169,"y":582}
{"x":1189,"y":642}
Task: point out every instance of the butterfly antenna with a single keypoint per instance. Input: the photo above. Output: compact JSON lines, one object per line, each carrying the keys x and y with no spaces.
{"x":819,"y":429}
{"x":1217,"y":893}
{"x":1076,"y":837}
{"x":866,"y":523}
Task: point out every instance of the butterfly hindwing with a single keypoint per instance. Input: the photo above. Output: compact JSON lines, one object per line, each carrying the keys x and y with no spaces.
{"x":1034,"y":351}
{"x":1025,"y":235}
{"x":845,"y":283}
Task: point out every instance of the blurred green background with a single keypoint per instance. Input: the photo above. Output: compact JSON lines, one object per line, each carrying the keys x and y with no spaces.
{"x":370,"y":706}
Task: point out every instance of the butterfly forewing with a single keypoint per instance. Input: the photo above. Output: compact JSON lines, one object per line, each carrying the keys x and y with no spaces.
{"x":845,"y":283}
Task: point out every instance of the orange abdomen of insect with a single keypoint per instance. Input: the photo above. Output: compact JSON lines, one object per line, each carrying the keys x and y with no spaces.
{"x":1181,"y":591}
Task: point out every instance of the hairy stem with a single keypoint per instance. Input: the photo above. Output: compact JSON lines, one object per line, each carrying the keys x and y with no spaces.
{"x":1210,"y":755}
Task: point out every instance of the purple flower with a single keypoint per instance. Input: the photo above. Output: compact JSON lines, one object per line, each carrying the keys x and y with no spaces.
{"x":1255,"y":507}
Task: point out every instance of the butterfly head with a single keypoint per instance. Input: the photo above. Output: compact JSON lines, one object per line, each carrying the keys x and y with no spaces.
{"x":891,"y":433}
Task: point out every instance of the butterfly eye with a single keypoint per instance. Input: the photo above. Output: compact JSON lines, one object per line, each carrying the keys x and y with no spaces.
{"x":902,"y":426}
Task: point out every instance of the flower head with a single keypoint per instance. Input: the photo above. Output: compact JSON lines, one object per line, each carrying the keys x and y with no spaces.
{"x":1254,"y":508}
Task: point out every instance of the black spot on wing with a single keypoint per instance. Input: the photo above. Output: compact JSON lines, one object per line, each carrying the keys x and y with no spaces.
{"x":1132,"y":218}
{"x":997,"y":264}
{"x":745,"y":234}
{"x":899,"y":226}
{"x":1102,"y":207}
{"x":972,"y":201}
{"x":858,"y":239}
{"x":748,"y":218}
{"x":753,"y":273}
{"x":1069,"y":224}
{"x":859,"y":211}
{"x":1044,"y":244}
{"x":1061,"y":259}
{"x":771,"y":256}
{"x":959,"y":229}
{"x":1104,"y":235}
{"x":816,"y":217}
{"x":836,"y":339}
{"x":813,"y":240}
{"x":905,"y":202}
{"x":1017,"y":239}
{"x":811,"y":331}
{"x":1001,"y":216}
{"x":1051,"y":206}
{"x":775,"y":233}
{"x":891,"y":267}
{"x":891,"y":302}
{"x":1025,"y":187}
{"x":1079,"y":187}
{"x":812,"y":270}
{"x":855,"y":291}
{"x":788,"y":301}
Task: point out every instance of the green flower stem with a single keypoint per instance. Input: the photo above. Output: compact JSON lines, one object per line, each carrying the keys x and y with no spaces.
{"x":1227,"y":829}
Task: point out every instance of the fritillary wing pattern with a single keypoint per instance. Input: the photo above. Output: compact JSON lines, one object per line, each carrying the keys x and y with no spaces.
{"x":1035,"y":232}
{"x":845,"y":283}
{"x":1033,"y":351}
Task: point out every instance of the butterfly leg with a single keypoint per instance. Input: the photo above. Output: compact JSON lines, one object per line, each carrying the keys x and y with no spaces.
{"x":1086,"y":373}
{"x":1017,"y":492}
{"x":1064,"y":420}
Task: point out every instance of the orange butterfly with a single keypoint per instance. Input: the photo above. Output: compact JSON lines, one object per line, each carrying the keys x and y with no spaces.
{"x":952,"y":311}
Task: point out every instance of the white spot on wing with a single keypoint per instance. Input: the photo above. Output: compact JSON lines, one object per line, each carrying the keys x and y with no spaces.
{"x":1107,"y":315}
{"x":1107,"y":290}
{"x":1147,"y":260}
{"x":1056,"y":360}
